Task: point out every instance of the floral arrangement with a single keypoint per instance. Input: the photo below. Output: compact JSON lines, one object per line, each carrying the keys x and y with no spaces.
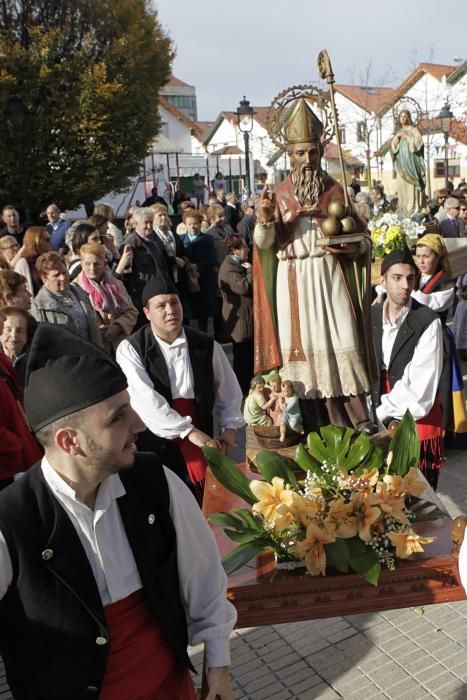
{"x":352,"y":510}
{"x":389,"y":232}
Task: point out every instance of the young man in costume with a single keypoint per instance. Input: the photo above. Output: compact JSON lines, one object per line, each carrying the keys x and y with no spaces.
{"x":178,"y":379}
{"x":308,"y":317}
{"x":107,"y":566}
{"x":409,"y":352}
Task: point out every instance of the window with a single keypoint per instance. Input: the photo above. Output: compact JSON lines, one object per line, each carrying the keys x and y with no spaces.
{"x":342,"y":134}
{"x":454,"y":169}
{"x":361,"y":131}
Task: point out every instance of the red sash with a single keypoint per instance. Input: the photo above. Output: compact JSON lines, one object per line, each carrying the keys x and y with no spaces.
{"x":193,"y":454}
{"x":141,"y":664}
{"x":430,"y":431}
{"x":432,"y":282}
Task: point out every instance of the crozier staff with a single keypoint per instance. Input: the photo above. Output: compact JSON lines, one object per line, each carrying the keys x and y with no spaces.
{"x":105,"y":556}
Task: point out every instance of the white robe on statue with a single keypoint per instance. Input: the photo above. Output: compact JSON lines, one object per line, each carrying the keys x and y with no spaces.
{"x":333,"y":363}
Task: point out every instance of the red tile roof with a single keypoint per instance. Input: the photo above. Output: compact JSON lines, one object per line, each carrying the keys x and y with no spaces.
{"x":436,"y":70}
{"x":204,"y":129}
{"x":228,"y":151}
{"x":367,"y":97}
{"x":332,"y":153}
{"x":175,"y":81}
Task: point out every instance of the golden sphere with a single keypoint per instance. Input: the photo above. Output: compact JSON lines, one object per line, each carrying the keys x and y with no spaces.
{"x":337,"y":209}
{"x":331,"y":226}
{"x":348,"y":224}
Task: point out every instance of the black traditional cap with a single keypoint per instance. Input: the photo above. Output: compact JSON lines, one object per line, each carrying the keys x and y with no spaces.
{"x":66,"y":373}
{"x":398,"y":256}
{"x":158,"y":284}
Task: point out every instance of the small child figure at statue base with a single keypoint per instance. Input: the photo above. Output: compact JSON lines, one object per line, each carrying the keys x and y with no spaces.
{"x":256,"y":404}
{"x":291,"y":417}
{"x":275,"y":410}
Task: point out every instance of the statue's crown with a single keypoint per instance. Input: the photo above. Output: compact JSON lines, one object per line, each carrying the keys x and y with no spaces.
{"x":302,"y":124}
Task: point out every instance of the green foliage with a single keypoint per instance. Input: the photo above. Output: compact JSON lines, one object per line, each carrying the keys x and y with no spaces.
{"x":344,"y":447}
{"x":89,"y":73}
{"x":404,"y":447}
{"x":228,"y":474}
{"x":304,"y":460}
{"x":240,"y":556}
{"x":270,"y":464}
{"x":338,"y":555}
{"x":354,"y":554}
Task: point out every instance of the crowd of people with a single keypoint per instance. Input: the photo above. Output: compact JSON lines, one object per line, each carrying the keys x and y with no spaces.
{"x":89,"y":311}
{"x":89,"y":276}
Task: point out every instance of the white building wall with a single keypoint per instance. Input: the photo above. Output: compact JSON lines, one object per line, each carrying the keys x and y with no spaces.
{"x":175,"y":130}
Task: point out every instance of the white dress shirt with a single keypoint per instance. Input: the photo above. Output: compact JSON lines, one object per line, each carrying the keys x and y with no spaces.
{"x":155,"y":411}
{"x":417,"y":388}
{"x":436,"y":301}
{"x":203,"y":583}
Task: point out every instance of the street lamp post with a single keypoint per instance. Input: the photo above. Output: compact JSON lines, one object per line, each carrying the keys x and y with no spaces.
{"x":445,"y":116}
{"x":245,"y":124}
{"x":17,"y":119}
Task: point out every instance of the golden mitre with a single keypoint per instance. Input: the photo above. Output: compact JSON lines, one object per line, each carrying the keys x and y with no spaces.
{"x":302,"y":124}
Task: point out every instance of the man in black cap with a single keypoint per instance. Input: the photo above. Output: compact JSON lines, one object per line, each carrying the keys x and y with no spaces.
{"x":409,"y":351}
{"x":178,"y":380}
{"x":107,"y":566}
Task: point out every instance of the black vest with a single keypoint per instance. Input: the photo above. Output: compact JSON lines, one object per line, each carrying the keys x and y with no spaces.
{"x":52,"y":613}
{"x":200,"y":350}
{"x":414,"y":325}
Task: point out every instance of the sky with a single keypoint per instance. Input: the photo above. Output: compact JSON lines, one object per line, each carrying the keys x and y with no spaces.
{"x":258,"y":48}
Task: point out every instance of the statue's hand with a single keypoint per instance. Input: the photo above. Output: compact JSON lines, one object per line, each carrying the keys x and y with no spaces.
{"x":266,"y":206}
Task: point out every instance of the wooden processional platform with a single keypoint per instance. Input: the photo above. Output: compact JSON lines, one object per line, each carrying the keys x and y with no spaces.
{"x":264,"y":596}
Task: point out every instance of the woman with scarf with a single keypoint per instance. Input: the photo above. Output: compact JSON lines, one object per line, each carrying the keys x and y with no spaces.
{"x":434,"y":288}
{"x":107,"y":296}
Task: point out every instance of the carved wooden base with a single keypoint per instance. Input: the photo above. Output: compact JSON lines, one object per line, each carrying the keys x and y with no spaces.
{"x":293,"y":596}
{"x":263,"y":595}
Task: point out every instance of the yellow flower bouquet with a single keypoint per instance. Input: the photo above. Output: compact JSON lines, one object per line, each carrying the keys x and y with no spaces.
{"x":353,"y":510}
{"x":389,"y":232}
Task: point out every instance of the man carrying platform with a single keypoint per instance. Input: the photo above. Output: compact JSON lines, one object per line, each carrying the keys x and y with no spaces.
{"x":178,"y":379}
{"x":107,"y":566}
{"x":409,"y":352}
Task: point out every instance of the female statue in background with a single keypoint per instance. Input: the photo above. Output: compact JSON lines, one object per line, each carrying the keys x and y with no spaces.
{"x":407,"y":154}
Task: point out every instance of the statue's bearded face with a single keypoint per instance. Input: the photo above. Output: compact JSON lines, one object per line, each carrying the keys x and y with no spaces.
{"x":306,"y":173}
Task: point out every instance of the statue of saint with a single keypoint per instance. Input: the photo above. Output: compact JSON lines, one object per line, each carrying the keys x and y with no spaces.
{"x":407,"y":154}
{"x":308,"y":320}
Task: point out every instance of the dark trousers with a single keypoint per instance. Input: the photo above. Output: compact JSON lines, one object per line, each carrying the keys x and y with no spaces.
{"x":243,"y":363}
{"x":346,"y":411}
